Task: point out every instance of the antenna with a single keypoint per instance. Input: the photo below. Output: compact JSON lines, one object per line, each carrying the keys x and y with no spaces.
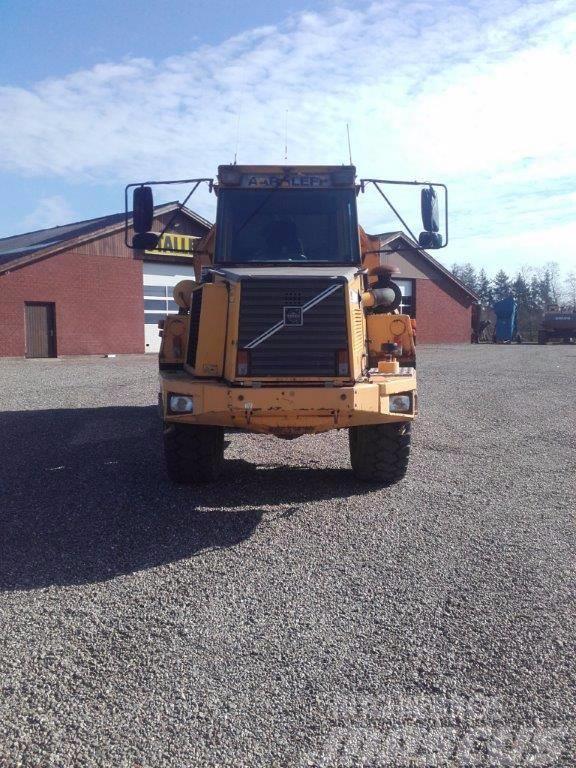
{"x":286,"y":136}
{"x":237,"y":135}
{"x":349,"y":145}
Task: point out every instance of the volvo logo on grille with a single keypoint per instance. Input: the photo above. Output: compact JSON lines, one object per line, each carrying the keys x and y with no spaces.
{"x":293,"y":316}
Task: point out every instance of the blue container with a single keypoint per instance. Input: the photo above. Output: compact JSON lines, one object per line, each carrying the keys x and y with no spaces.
{"x":506,"y":328}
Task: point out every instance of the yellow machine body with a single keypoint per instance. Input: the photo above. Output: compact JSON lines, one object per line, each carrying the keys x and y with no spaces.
{"x":286,"y":409}
{"x":280,"y":405}
{"x":200,"y":346}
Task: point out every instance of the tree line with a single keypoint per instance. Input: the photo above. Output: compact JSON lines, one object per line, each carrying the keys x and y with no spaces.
{"x":534,"y":291}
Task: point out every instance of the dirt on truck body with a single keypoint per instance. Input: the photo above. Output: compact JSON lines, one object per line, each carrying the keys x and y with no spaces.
{"x":291,"y":326}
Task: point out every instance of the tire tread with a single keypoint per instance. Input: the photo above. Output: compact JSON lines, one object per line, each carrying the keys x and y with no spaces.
{"x":380,"y":453}
{"x":193,"y":453}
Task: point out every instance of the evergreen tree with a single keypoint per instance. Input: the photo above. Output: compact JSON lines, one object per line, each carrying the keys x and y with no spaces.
{"x":466,"y":273}
{"x":535,"y":294}
{"x":521,"y":290}
{"x":501,"y":287}
{"x":468,"y":277}
{"x":525,"y":312}
{"x":484,"y":289}
{"x":545,"y":290}
{"x":456,"y":271}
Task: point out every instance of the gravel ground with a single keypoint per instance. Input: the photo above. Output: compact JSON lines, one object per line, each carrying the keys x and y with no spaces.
{"x":289,"y":616}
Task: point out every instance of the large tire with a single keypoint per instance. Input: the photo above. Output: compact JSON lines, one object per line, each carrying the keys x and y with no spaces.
{"x":542,"y":337}
{"x":194,"y":453}
{"x":379,"y":453}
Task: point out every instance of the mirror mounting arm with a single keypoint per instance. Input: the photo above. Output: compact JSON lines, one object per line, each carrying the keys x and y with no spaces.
{"x":195,"y":182}
{"x":393,"y":209}
{"x":376,"y":182}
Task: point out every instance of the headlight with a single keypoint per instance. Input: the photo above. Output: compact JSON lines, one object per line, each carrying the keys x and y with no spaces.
{"x":181,"y":404}
{"x":400,"y":404}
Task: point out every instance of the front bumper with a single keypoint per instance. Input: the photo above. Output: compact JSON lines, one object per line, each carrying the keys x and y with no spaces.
{"x":274,"y":409}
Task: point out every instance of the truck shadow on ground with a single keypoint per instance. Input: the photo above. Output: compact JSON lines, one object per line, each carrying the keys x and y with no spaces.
{"x":86,"y":498}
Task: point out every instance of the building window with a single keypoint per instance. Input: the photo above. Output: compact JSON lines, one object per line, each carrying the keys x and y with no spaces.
{"x":158,"y":300}
{"x":155,"y":290}
{"x":408,"y":303}
{"x":155,"y":304}
{"x":153,"y":318}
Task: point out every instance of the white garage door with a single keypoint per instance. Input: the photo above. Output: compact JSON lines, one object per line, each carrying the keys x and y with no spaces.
{"x":159,"y":279}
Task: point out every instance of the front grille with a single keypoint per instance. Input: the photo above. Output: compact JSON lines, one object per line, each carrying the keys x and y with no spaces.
{"x":195,"y":310}
{"x":309,"y":349}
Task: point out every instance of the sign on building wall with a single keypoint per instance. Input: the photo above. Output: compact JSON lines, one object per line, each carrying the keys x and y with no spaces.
{"x":174,"y":243}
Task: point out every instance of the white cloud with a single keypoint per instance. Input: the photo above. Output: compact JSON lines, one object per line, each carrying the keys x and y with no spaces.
{"x":51,"y":211}
{"x":476,"y":94}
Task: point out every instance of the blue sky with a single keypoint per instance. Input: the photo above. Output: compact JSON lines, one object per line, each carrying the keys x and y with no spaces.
{"x":94,"y":95}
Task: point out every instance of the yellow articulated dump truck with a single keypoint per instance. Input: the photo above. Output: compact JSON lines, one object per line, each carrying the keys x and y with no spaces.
{"x":291,"y":326}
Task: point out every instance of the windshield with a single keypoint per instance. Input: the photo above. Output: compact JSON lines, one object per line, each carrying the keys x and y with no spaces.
{"x":285,"y":225}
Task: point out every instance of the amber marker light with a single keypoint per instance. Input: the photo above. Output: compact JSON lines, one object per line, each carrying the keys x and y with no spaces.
{"x":242,"y":362}
{"x":343,"y":367}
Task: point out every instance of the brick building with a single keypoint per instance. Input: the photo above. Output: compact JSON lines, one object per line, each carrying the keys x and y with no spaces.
{"x":438,"y":301}
{"x":78,"y":290}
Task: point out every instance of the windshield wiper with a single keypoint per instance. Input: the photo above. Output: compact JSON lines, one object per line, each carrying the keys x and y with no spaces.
{"x":257,"y":211}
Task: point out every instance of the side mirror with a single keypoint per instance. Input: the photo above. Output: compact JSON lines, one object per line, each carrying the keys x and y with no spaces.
{"x":142,"y":209}
{"x":430,"y":240}
{"x":431,"y":237}
{"x":429,"y":204}
{"x":145,"y":241}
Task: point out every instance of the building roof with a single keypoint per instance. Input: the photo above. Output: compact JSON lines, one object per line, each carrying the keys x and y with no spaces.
{"x":26,"y":247}
{"x":388,"y":238}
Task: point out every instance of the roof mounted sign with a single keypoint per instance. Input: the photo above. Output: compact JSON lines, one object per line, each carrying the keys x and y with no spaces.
{"x":290,"y":177}
{"x":299,"y":181}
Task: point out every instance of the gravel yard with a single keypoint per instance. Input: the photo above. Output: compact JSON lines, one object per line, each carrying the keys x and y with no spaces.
{"x":289,"y":616}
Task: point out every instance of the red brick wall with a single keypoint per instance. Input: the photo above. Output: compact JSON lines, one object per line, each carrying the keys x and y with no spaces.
{"x":97,"y":290}
{"x":443,"y":313}
{"x":98,"y":298}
